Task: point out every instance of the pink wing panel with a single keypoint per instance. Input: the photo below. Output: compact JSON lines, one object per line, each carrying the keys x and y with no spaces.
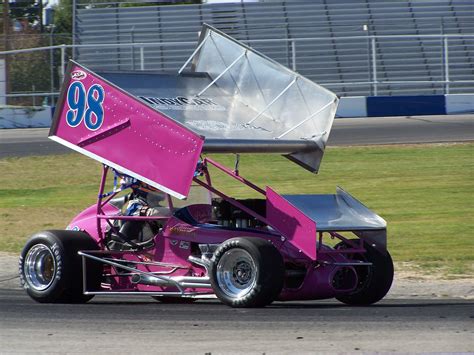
{"x":104,"y":122}
{"x":298,"y":228}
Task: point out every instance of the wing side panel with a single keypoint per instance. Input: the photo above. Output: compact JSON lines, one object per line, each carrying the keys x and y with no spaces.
{"x":299,"y":229}
{"x":102,"y":121}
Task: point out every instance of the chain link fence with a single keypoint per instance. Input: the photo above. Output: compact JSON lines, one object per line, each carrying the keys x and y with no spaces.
{"x":31,"y":74}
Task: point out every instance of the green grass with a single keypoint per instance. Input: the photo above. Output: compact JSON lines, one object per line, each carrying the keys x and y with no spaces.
{"x":425,"y":192}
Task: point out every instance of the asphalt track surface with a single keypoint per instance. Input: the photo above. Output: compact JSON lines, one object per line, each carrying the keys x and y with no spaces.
{"x":142,"y":325}
{"x":346,"y":131}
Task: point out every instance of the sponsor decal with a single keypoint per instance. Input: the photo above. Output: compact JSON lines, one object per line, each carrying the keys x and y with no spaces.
{"x":182,"y":230}
{"x":181,"y":103}
{"x":78,"y":75}
{"x":217,"y":126}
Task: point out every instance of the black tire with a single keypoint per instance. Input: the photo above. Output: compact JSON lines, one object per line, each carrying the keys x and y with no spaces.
{"x":257,"y":272}
{"x":374,"y":281}
{"x":51,"y":270}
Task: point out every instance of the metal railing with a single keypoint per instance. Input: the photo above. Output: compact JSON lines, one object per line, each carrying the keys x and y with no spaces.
{"x":374,"y":65}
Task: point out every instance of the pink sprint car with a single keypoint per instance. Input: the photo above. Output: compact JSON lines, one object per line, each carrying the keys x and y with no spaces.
{"x":164,"y":229}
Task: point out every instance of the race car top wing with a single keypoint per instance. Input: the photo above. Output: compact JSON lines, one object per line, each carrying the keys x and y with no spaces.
{"x":289,"y":112}
{"x":153,"y":126}
{"x":239,"y":100}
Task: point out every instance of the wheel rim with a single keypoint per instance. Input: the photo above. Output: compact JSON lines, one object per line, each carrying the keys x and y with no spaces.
{"x":236,"y":273}
{"x":39,"y":267}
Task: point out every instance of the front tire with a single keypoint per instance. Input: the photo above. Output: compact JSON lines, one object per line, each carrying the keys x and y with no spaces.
{"x":51,"y":270}
{"x":247,"y":272}
{"x":374,"y":281}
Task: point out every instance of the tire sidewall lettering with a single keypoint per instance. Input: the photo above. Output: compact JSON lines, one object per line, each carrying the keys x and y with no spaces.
{"x":58,"y":260}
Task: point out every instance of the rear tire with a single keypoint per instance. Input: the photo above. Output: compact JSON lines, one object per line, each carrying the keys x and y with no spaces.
{"x":374,"y":281}
{"x":247,"y":272}
{"x":51,"y":270}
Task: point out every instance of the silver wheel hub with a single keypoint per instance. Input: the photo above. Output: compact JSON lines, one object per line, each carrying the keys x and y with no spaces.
{"x":39,"y":267}
{"x":236,"y":273}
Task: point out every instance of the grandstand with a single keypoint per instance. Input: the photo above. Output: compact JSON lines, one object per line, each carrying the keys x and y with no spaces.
{"x":354,"y":47}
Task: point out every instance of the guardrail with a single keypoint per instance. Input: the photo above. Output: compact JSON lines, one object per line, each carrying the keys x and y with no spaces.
{"x":374,"y":60}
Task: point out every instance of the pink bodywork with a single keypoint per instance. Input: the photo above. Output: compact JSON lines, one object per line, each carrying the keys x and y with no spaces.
{"x":291,"y":223}
{"x":172,"y":246}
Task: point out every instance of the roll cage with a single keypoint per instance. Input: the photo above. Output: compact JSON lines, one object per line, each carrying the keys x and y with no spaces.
{"x":203,"y":179}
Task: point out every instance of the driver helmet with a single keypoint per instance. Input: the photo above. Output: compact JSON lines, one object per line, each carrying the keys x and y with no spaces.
{"x":152,"y":195}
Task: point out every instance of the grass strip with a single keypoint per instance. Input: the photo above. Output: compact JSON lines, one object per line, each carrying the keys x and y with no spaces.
{"x":425,"y":192}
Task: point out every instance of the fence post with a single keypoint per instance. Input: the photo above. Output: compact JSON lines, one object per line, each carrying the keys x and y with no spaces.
{"x":132,"y":36}
{"x":293,"y":55}
{"x":33,"y":90}
{"x":374,"y":65}
{"x":142,"y":58}
{"x":63,"y":59}
{"x":74,"y":28}
{"x":446,"y":65}
{"x":51,"y":64}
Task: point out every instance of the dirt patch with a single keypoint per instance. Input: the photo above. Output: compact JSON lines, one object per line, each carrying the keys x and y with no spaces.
{"x":408,"y":282}
{"x":413,"y":281}
{"x":9,"y":270}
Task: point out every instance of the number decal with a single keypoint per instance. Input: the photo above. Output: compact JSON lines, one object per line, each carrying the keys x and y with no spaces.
{"x":95,"y":98}
{"x":85,"y":106}
{"x":76,"y":99}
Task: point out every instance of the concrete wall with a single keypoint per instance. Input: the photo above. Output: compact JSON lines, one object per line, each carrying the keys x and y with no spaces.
{"x":361,"y":106}
{"x":25,"y":117}
{"x":379,"y":106}
{"x":459,"y":104}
